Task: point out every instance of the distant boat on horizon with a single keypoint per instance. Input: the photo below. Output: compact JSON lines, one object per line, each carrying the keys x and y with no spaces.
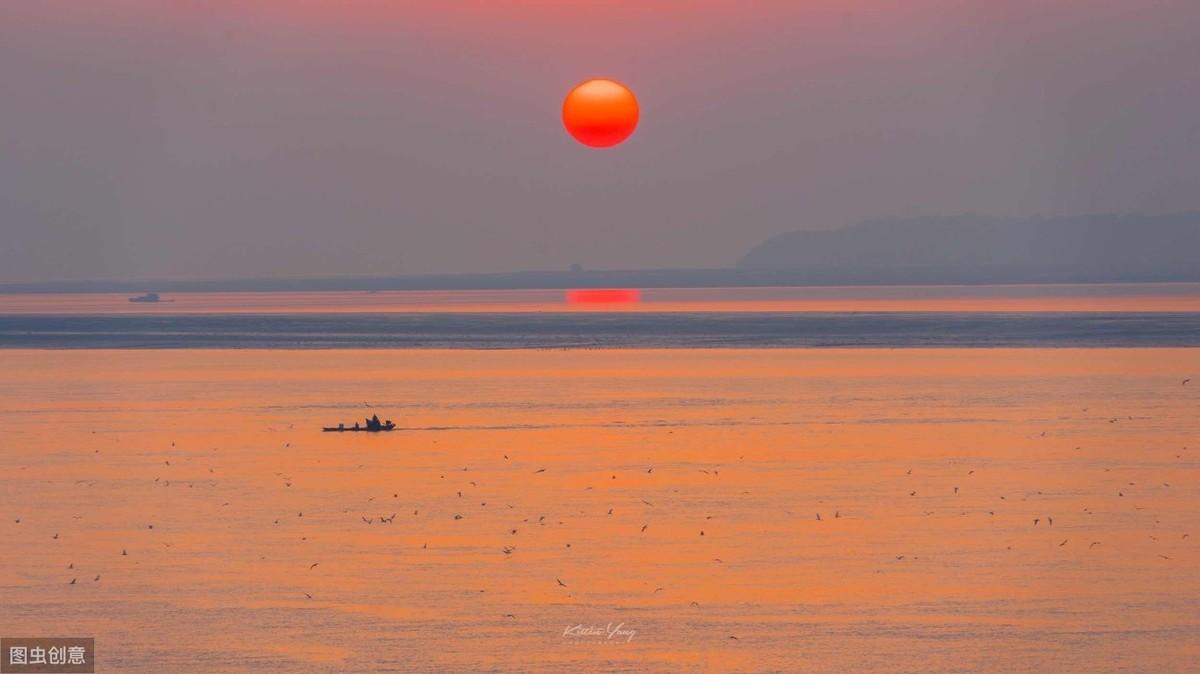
{"x":148,"y":297}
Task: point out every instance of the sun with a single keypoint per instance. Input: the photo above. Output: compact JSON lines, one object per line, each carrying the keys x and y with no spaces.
{"x":600,"y":113}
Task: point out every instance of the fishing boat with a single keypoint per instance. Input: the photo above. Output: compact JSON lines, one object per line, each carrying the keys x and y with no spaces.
{"x":373,"y":425}
{"x":342,"y":428}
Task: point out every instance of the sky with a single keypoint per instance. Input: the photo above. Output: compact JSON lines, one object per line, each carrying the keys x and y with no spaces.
{"x":289,"y":138}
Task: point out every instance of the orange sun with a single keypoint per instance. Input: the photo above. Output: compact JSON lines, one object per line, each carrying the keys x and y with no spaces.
{"x":600,"y":113}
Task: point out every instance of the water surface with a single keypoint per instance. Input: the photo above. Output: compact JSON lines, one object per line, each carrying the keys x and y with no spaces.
{"x":674,"y":491}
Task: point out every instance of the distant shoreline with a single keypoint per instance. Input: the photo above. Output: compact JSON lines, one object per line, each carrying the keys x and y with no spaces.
{"x":650,"y":278}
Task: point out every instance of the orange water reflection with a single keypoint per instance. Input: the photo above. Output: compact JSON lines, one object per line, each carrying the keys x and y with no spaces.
{"x":937,"y":569}
{"x":1162,"y":297}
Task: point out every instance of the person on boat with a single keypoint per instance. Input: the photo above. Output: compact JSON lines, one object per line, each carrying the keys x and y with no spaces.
{"x":387,"y":424}
{"x":356,"y":425}
{"x":373,"y":423}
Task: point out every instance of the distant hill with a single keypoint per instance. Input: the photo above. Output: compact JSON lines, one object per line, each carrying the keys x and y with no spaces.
{"x":980,"y":249}
{"x":943,"y":250}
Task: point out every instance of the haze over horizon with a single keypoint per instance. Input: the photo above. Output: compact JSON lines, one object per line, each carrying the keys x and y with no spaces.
{"x":141,"y":140}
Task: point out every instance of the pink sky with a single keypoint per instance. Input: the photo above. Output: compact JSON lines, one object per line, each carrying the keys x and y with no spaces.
{"x":188,"y":140}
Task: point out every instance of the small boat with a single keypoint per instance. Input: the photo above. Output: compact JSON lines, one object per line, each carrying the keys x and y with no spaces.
{"x":359,"y":428}
{"x":148,"y":297}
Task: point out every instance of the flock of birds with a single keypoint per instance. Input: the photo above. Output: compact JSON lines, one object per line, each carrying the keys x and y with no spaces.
{"x":509,"y":550}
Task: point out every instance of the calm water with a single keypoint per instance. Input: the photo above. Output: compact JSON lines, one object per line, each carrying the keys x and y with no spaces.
{"x":676,"y":492}
{"x":734,"y":503}
{"x":901,"y":316}
{"x":608,"y":329}
{"x":1110,"y":298}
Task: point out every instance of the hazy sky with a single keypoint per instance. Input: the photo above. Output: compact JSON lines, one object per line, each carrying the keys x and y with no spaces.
{"x":181,"y":139}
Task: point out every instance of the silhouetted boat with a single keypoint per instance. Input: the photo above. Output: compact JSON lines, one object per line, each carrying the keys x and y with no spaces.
{"x":148,"y":297}
{"x":359,"y":428}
